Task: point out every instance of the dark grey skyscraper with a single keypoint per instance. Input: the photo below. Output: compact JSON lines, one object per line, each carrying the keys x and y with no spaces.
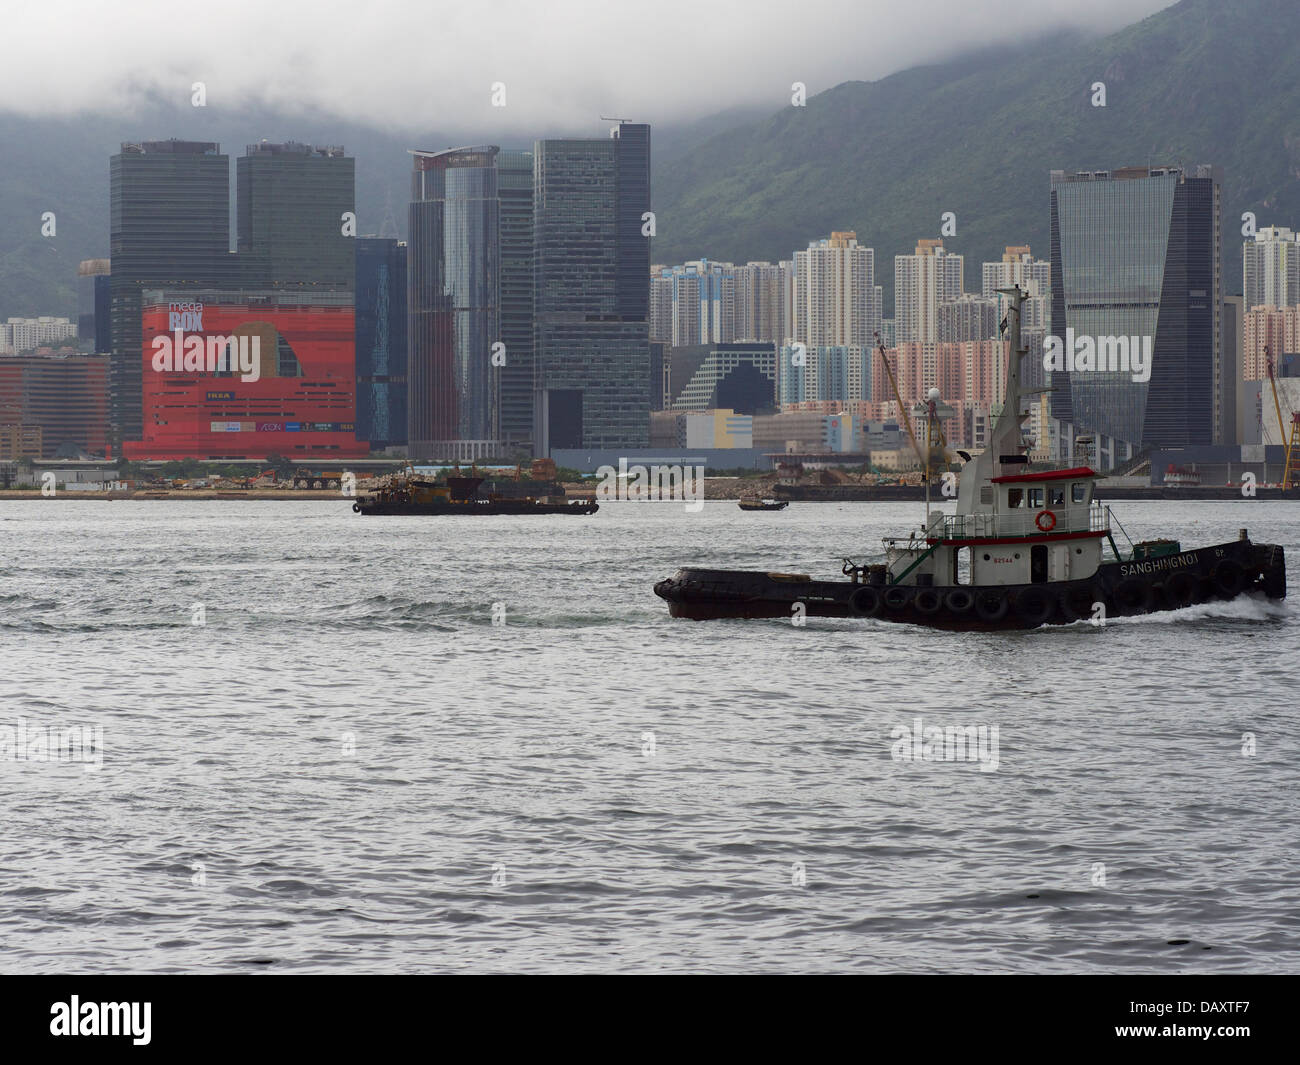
{"x":592,"y":291}
{"x":632,"y":160}
{"x":169,"y":224}
{"x":453,"y":294}
{"x":1136,"y":253}
{"x":381,"y":341}
{"x":291,"y":203}
{"x":515,"y":190}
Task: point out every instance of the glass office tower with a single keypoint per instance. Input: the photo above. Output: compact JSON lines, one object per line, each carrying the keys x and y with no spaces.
{"x":515,"y":191}
{"x":381,"y":341}
{"x":169,"y":223}
{"x":592,"y":291}
{"x":292,"y":198}
{"x":1136,"y":253}
{"x":453,"y":301}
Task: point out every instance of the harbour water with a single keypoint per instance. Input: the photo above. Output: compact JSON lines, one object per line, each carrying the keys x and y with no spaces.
{"x":335,"y":743}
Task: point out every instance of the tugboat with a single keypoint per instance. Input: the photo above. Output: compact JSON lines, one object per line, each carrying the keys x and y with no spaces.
{"x":409,"y":493}
{"x":764,"y":504}
{"x":1025,"y":547}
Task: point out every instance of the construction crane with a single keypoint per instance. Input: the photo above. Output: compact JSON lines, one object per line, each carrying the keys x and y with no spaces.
{"x":924,"y":456}
{"x":1290,"y":472}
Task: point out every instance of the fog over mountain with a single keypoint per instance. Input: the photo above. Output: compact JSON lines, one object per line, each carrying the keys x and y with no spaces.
{"x":415,"y":66}
{"x":911,"y":110}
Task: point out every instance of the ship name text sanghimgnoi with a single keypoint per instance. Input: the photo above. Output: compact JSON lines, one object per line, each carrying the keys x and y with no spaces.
{"x":1155,"y":565}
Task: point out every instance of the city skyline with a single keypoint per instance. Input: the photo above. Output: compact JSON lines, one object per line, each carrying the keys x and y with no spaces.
{"x":932,"y":301}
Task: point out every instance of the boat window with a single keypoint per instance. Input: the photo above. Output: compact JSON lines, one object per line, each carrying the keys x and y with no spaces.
{"x":1015,"y":497}
{"x":1056,"y":497}
{"x":1078,"y":492}
{"x":1035,"y":498}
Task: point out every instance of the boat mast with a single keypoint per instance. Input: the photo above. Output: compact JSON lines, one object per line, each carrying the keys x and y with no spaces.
{"x":1005,"y":438}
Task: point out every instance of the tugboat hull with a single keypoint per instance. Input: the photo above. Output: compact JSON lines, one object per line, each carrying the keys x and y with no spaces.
{"x":1220,"y":572}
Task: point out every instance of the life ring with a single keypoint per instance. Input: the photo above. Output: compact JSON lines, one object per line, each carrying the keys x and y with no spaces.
{"x":1228,"y":578}
{"x":927,"y":601}
{"x":1034,"y":606}
{"x":897,"y":597}
{"x":864,"y":602}
{"x":1045,"y":520}
{"x":959,"y":601}
{"x":991,"y":605}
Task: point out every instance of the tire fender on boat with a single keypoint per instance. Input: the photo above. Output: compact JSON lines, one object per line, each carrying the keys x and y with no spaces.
{"x":959,"y":601}
{"x":1228,"y":578}
{"x":356,"y":508}
{"x":1133,"y":596}
{"x":1181,"y":589}
{"x":1034,"y":605}
{"x":1077,"y":603}
{"x":897,"y":597}
{"x":864,"y":602}
{"x":927,"y":601}
{"x":991,"y":605}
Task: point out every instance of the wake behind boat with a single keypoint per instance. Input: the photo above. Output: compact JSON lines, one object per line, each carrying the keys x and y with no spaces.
{"x":1025,"y":547}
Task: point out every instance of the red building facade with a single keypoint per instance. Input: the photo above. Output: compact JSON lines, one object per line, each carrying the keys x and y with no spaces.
{"x":66,"y":396}
{"x":294,"y":394}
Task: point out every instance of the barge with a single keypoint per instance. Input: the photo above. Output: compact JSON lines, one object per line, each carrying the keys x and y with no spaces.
{"x":412,"y":494}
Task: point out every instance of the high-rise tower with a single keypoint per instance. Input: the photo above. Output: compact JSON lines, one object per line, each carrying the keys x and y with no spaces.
{"x":592,"y":255}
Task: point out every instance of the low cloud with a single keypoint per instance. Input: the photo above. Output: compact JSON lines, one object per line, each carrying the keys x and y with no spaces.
{"x":414,"y":65}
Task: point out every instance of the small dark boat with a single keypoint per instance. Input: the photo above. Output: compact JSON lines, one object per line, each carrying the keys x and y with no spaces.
{"x":1025,"y":547}
{"x":764,"y":504}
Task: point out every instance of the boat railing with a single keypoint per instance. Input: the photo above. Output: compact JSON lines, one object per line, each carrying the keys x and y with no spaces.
{"x":1022,"y":522}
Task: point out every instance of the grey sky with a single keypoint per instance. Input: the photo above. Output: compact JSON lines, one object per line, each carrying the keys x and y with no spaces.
{"x":418,"y":64}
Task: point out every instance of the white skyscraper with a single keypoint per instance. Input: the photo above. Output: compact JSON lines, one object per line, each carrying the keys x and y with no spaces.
{"x":1018,"y":267}
{"x":761,"y":302}
{"x":694,"y":303}
{"x":1271,"y":268}
{"x":923,"y":280}
{"x":835,"y":300}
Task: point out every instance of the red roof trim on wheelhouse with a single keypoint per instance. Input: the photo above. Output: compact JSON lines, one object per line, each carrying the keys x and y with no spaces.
{"x":1047,"y":475}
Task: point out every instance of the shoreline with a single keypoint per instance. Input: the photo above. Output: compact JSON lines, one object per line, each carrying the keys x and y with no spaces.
{"x":863,"y":494}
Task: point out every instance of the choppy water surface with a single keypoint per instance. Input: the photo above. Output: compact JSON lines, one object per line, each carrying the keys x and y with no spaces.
{"x":349,"y":767}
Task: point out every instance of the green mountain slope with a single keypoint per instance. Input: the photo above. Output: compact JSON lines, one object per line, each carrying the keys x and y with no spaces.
{"x":1202,"y":81}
